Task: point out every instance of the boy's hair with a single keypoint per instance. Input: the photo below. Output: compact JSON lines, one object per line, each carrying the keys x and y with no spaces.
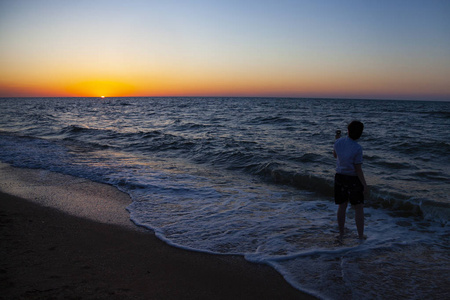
{"x":355,"y":129}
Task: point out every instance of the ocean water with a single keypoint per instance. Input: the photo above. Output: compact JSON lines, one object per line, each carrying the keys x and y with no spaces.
{"x":254,"y":177}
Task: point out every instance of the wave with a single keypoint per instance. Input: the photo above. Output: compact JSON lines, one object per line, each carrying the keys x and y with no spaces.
{"x":397,"y":165}
{"x":309,"y":157}
{"x":422,"y":147}
{"x":432,"y":175}
{"x":76,"y":129}
{"x":401,"y":204}
{"x":270,"y":120}
{"x":234,"y":157}
{"x":440,"y":114}
{"x":274,"y":173}
{"x":250,"y":158}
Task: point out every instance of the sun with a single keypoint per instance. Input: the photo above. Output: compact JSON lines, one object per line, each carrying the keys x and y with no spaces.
{"x":101,"y":89}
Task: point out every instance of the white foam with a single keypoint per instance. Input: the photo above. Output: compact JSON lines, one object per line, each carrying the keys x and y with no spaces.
{"x":73,"y":195}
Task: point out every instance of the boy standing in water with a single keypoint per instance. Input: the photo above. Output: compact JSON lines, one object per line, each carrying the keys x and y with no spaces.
{"x":349,"y":182}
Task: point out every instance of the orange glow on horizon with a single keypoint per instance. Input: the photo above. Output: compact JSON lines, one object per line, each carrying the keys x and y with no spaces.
{"x":182,"y":83}
{"x":105,"y":88}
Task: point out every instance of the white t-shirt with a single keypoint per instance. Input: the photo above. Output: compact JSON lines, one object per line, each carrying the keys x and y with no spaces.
{"x":349,"y":154}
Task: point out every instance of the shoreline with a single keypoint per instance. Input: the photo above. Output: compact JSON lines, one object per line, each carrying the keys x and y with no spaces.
{"x":75,"y":196}
{"x":51,"y":253}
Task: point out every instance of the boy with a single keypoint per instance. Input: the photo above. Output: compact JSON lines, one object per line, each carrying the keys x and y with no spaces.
{"x":349,"y":182}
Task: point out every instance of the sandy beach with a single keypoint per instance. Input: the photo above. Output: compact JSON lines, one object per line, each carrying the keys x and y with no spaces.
{"x":53,"y":250}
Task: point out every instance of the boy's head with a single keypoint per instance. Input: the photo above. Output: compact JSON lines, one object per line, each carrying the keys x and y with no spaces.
{"x":355,"y":129}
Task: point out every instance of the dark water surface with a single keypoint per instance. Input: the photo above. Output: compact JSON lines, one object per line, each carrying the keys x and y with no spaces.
{"x":254,"y":177}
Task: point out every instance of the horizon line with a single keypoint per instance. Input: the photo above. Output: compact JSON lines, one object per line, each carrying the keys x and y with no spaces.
{"x":256,"y":97}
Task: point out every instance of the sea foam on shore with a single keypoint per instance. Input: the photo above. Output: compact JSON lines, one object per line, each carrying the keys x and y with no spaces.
{"x":73,"y":195}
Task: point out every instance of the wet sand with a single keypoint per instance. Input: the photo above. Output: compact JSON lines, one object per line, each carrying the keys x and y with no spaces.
{"x":49,"y":253}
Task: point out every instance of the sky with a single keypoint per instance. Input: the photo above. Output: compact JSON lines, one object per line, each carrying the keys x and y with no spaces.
{"x":393,"y":49}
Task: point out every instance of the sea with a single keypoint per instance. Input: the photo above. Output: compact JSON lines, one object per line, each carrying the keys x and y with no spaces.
{"x":254,"y":177}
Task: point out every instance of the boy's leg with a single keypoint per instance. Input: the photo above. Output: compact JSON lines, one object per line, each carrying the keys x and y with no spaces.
{"x":341,"y":217}
{"x":359,"y":219}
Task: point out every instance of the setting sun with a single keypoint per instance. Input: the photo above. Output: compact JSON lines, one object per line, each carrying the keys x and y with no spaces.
{"x":92,"y":88}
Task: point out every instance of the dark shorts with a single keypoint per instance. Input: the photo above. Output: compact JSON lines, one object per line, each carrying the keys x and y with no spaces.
{"x":348,"y":188}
